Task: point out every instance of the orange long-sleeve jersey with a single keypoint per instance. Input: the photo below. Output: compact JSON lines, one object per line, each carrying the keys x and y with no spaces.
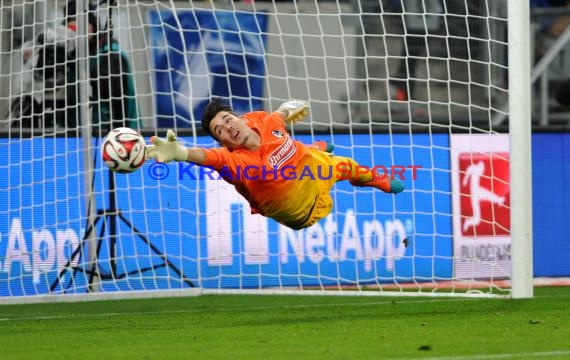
{"x":268,"y":177}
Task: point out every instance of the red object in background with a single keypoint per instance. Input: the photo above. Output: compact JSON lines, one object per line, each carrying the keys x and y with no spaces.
{"x":484,"y":194}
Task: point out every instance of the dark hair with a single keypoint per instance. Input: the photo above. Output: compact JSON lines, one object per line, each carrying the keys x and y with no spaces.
{"x":210,"y":111}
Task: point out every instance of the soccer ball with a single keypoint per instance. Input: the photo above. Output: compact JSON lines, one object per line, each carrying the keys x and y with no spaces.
{"x":123,"y":150}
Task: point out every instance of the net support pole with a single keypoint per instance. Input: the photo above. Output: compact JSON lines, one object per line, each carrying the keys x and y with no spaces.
{"x":520,"y":148}
{"x":87,"y":136}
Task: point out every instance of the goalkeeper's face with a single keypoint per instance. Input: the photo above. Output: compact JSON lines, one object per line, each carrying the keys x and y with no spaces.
{"x":231,"y":131}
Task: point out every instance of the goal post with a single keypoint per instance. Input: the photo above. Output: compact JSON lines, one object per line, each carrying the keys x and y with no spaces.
{"x":520,"y":149}
{"x":413,"y":87}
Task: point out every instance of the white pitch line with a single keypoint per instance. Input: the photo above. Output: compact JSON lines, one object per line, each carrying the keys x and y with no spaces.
{"x":75,"y":316}
{"x":245,"y":308}
{"x":496,"y":356}
{"x":242,"y":308}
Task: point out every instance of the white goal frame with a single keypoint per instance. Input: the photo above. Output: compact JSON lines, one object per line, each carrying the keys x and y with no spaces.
{"x":520,"y":143}
{"x":520,"y":283}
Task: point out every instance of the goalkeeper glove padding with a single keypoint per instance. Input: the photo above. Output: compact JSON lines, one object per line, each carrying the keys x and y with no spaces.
{"x":296,"y":110}
{"x":166,"y":151}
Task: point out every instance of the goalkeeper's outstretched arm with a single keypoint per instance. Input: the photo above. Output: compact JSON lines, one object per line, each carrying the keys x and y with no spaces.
{"x":293,"y":111}
{"x":171,"y":150}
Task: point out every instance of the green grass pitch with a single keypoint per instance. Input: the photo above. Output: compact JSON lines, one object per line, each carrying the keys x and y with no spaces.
{"x":291,"y":327}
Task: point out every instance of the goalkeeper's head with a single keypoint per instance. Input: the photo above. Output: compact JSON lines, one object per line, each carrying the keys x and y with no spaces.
{"x":210,"y":112}
{"x":230,"y":130}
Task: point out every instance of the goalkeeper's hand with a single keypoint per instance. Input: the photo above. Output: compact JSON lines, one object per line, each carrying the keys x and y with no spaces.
{"x":166,"y":151}
{"x":294,"y":110}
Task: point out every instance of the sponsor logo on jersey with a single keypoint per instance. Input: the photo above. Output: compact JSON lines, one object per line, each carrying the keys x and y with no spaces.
{"x":277,"y":133}
{"x":283,"y":153}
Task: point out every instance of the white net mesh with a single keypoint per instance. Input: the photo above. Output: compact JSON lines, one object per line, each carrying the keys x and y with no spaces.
{"x":390,"y":83}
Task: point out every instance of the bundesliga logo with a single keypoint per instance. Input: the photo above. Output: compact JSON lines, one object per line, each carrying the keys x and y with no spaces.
{"x":485,"y":194}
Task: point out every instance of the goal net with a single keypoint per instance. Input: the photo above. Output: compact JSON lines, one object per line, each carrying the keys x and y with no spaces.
{"x":418,"y":88}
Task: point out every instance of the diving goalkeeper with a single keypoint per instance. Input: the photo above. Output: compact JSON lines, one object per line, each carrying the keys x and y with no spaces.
{"x":258,"y":141}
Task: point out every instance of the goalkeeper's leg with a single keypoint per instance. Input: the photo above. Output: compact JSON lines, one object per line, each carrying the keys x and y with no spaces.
{"x":348,"y":169}
{"x":323,"y":146}
{"x":339,"y":168}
